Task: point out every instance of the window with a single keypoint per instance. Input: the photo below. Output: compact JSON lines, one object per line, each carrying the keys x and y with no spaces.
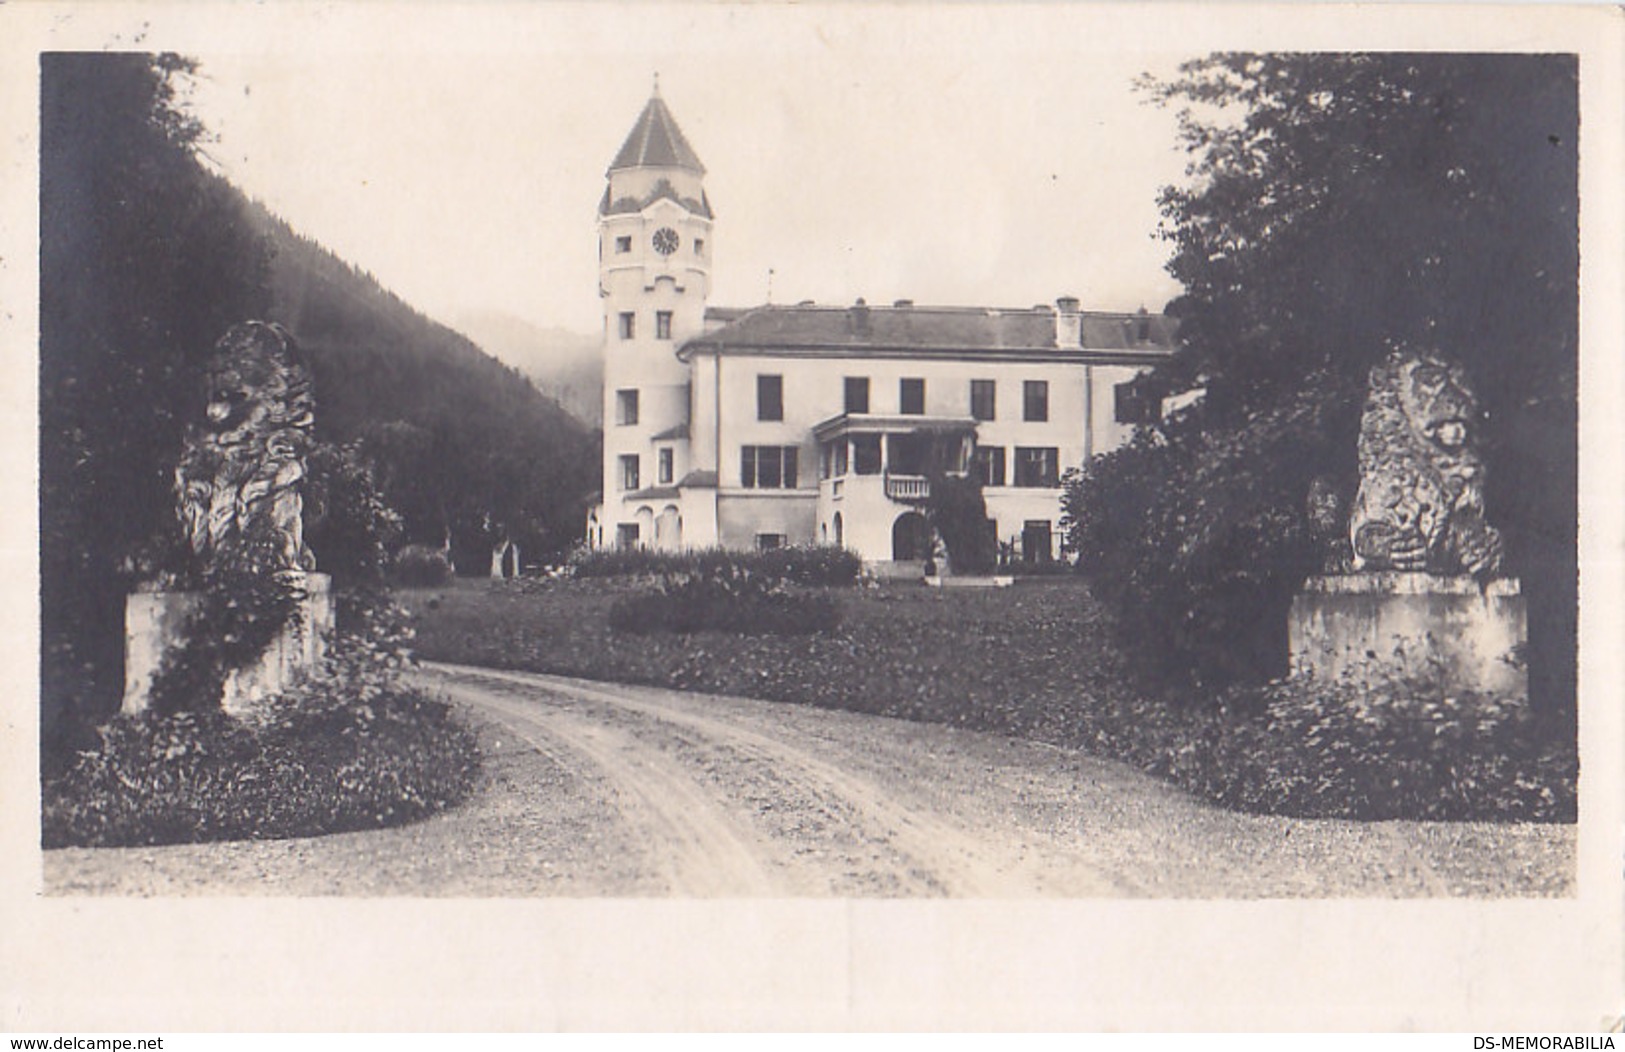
{"x":911,"y":396}
{"x":840,"y":458}
{"x":981,"y":399}
{"x":626,"y":535}
{"x":988,"y":466}
{"x":866,"y":454}
{"x":857,"y":394}
{"x":1035,"y":400}
{"x":699,"y":246}
{"x":626,"y":407}
{"x":1037,"y":466}
{"x":769,"y":397}
{"x":1134,"y":404}
{"x":629,"y":471}
{"x":766,"y":542}
{"x":623,"y":244}
{"x":629,"y":325}
{"x":1037,"y":545}
{"x":662,"y":324}
{"x":665,"y":466}
{"x":768,"y":467}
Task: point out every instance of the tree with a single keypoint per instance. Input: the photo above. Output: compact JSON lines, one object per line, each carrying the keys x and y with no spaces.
{"x":145,"y":259}
{"x":1339,"y":204}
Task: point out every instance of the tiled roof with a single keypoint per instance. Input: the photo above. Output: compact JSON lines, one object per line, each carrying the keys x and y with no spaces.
{"x":968,"y":329}
{"x":699,"y":480}
{"x":657,"y":142}
{"x":653,"y":493}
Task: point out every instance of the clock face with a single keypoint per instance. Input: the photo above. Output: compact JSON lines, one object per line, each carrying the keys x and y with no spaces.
{"x":665,"y":241}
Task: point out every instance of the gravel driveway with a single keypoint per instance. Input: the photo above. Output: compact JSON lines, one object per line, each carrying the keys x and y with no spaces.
{"x":595,"y":789}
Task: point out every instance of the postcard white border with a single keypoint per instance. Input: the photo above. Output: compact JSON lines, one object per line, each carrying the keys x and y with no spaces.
{"x":89,"y":964}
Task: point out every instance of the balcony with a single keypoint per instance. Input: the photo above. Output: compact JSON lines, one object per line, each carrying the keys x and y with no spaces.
{"x":908,"y":488}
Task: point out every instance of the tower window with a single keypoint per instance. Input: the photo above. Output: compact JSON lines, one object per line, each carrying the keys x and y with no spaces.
{"x":623,"y":244}
{"x":857,"y":394}
{"x":769,"y":397}
{"x":626,"y":407}
{"x":629,"y":325}
{"x":665,"y":467}
{"x":911,"y":396}
{"x":1035,"y":400}
{"x":662,"y":324}
{"x":629,"y":471}
{"x":699,"y":246}
{"x":982,"y":399}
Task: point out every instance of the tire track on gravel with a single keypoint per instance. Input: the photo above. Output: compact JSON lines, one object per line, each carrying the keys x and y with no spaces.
{"x":695,"y":844}
{"x":946,"y":857}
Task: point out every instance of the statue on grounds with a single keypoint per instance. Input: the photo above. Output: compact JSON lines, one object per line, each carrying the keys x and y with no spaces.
{"x":1420,"y":506}
{"x":238,"y":482}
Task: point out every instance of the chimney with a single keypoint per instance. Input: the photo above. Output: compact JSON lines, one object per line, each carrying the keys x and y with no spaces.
{"x":903,"y":304}
{"x":1068,"y":324}
{"x":857,"y":317}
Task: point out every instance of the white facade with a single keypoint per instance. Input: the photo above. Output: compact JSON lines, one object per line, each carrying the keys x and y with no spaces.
{"x":808,"y":424}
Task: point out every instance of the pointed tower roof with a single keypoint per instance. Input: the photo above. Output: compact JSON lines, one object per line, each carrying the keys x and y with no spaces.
{"x":656,"y":141}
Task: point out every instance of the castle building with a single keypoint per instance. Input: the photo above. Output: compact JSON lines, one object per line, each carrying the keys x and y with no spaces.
{"x":814,"y":424}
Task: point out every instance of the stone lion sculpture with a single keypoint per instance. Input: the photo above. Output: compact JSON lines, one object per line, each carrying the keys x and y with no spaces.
{"x":238,"y":482}
{"x":1420,"y":505}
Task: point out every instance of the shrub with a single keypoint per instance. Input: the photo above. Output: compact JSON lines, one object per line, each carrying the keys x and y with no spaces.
{"x":727,"y":601}
{"x":348,"y":524}
{"x":1405,"y":748}
{"x":1197,"y":542}
{"x":805,"y":565}
{"x":351,"y":748}
{"x":958,"y":513}
{"x":318,"y":764}
{"x":244,"y":604}
{"x":420,"y":566}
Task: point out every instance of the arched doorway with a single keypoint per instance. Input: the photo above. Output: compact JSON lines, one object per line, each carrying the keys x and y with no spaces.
{"x":840,"y":542}
{"x":910,"y":537}
{"x":669,"y":529}
{"x":645,"y":527}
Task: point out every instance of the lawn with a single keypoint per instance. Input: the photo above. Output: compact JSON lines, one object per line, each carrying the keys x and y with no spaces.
{"x":1036,"y":661}
{"x":1030,"y":660}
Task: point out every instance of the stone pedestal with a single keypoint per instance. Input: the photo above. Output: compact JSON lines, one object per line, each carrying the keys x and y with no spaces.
{"x":153,"y":622}
{"x":1403,"y":623}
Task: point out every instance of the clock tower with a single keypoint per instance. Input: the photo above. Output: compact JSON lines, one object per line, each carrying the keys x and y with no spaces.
{"x":654,"y":274}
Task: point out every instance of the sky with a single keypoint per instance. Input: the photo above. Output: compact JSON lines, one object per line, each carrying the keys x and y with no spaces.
{"x":949,"y":156}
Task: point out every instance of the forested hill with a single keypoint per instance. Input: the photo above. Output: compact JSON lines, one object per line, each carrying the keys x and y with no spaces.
{"x":461,"y":442}
{"x":147,"y":257}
